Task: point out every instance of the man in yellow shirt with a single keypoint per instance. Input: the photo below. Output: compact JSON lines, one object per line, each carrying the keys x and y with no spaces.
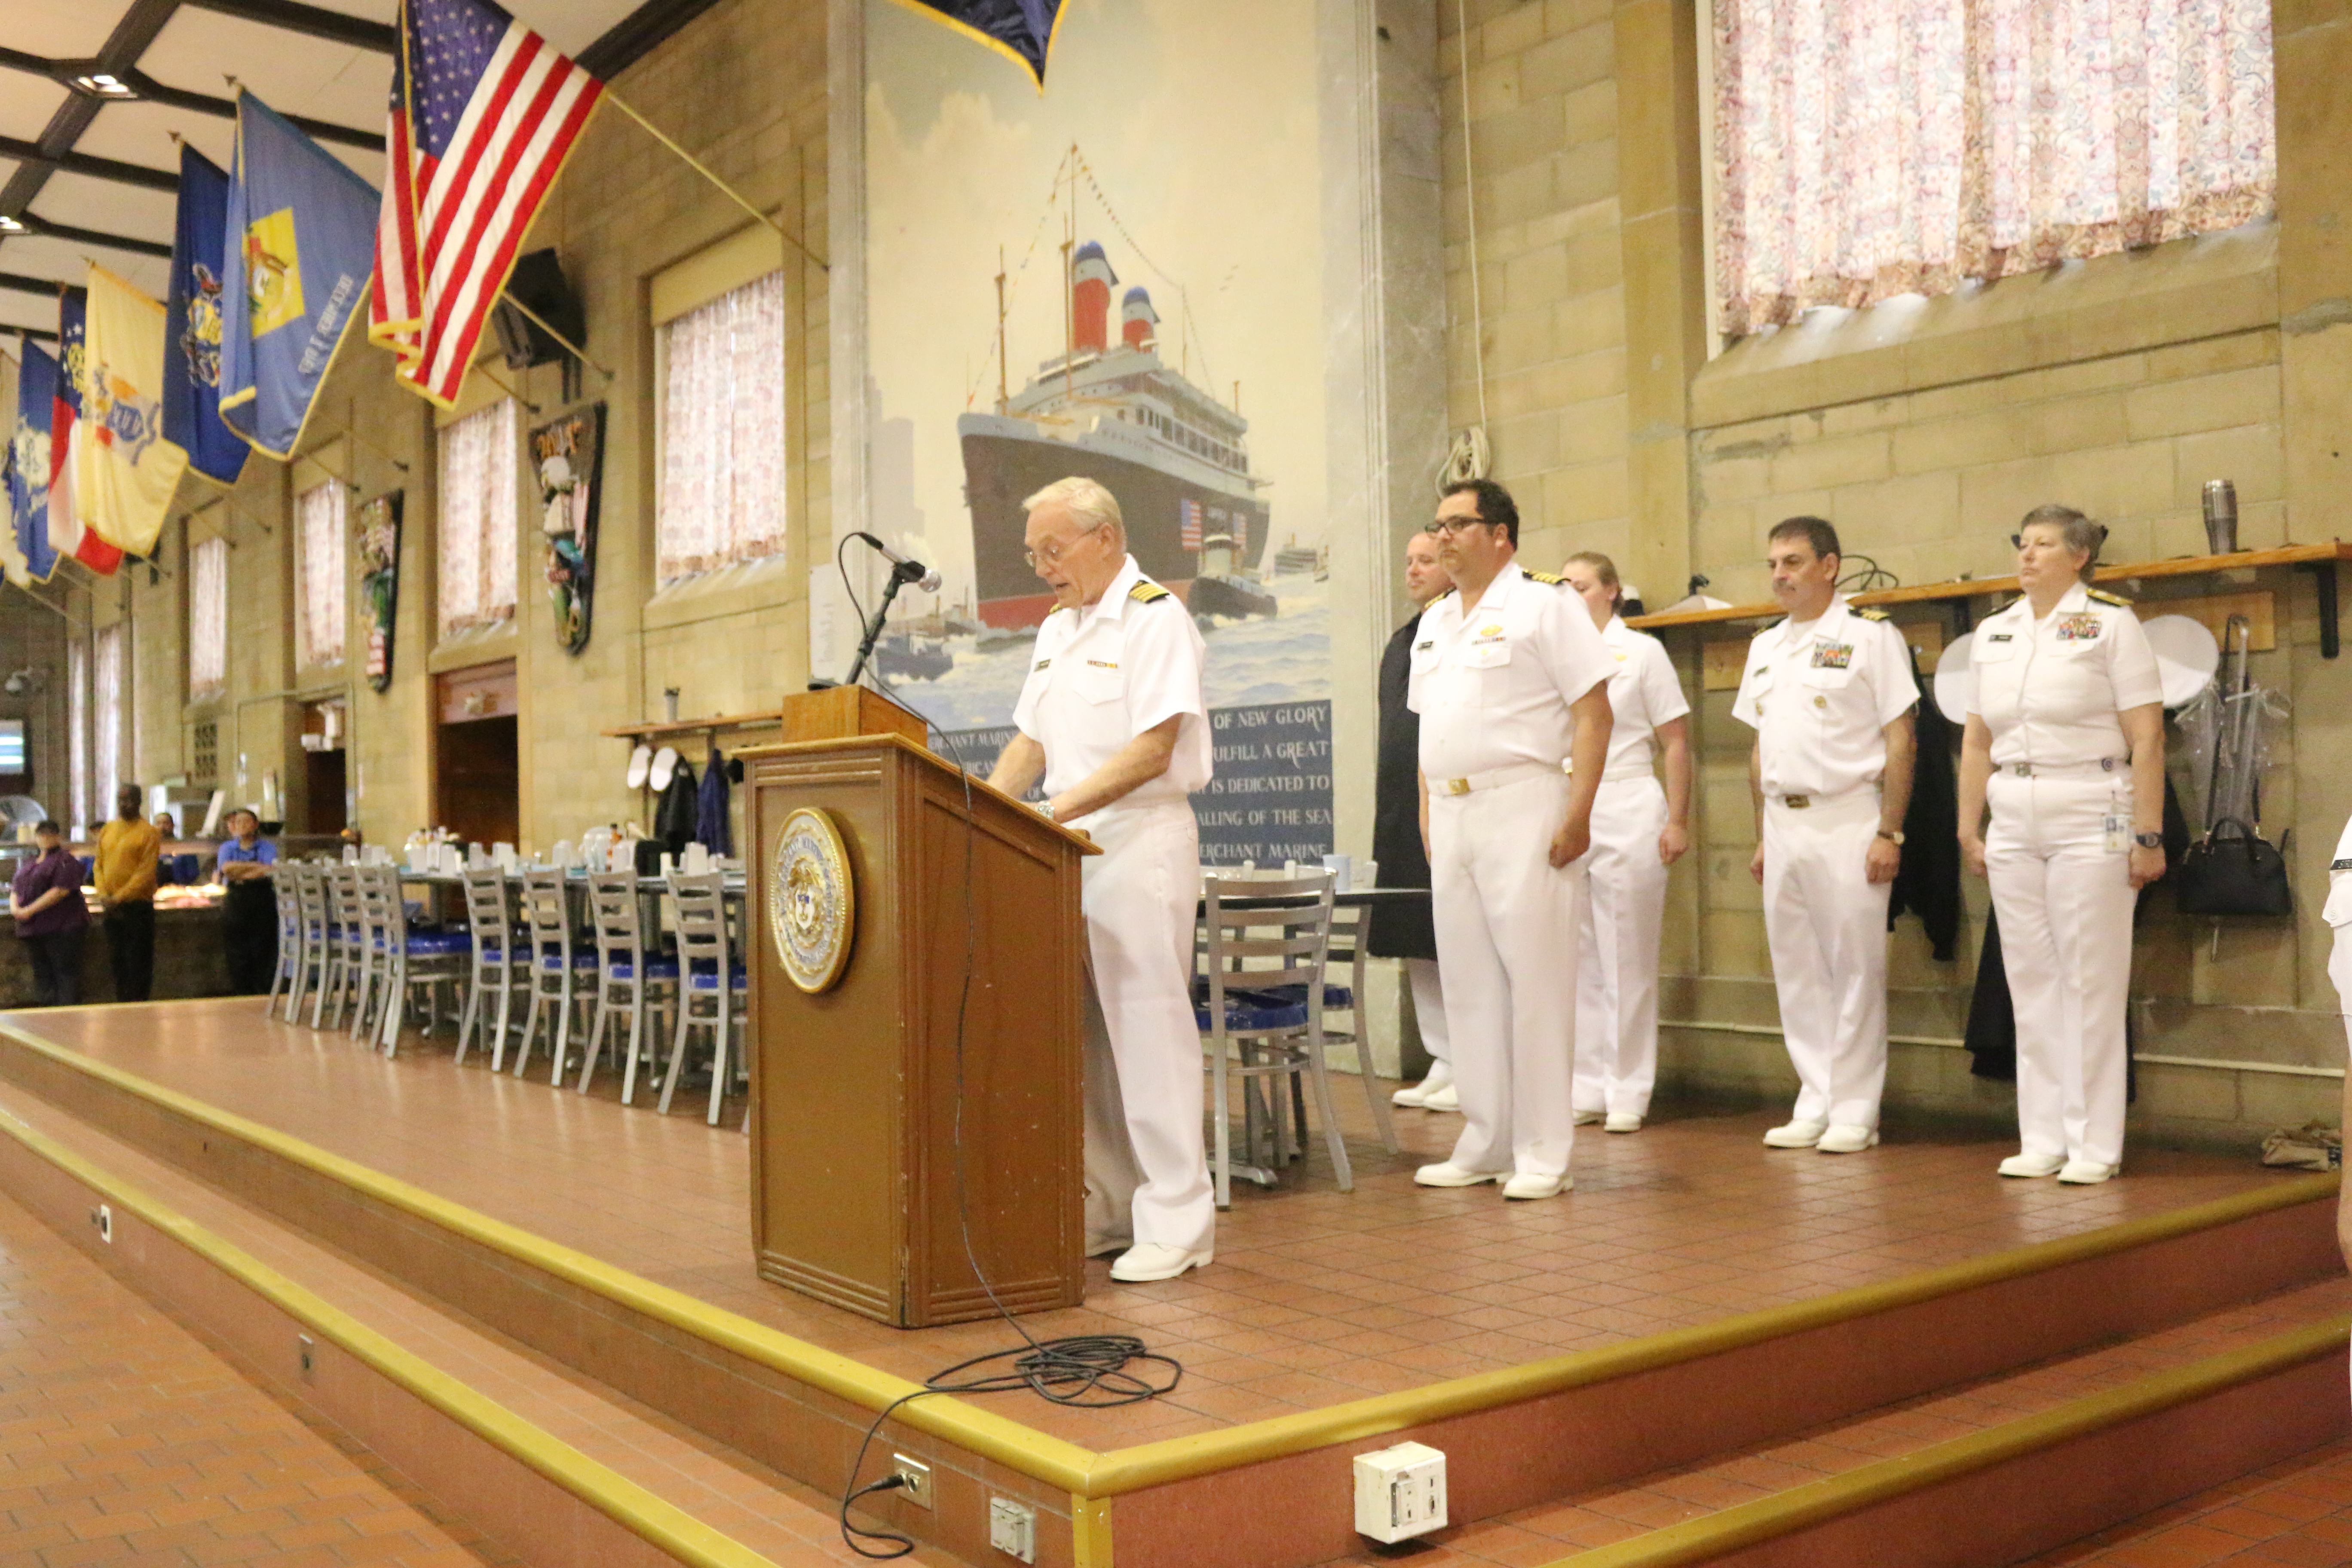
{"x":125,"y":872}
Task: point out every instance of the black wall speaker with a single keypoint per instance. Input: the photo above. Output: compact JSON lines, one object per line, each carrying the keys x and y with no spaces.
{"x":539,"y":283}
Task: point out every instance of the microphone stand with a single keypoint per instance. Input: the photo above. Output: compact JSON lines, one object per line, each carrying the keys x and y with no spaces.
{"x":902,"y":574}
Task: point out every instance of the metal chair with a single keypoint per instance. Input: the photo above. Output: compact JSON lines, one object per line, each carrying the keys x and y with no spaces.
{"x":1349,"y":927}
{"x":710,"y":974}
{"x":344,"y":945}
{"x":369,"y":899}
{"x":627,"y":977}
{"x":1262,"y":937}
{"x":410,"y":958}
{"x":560,"y":972}
{"x":499,"y":962}
{"x":293,"y":884}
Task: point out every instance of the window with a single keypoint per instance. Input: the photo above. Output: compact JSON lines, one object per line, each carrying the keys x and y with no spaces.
{"x":722,"y":436}
{"x":477,"y":519}
{"x":208,"y":617}
{"x":106,"y":737}
{"x":1871,"y":148}
{"x":318,"y":574}
{"x":78,"y":733}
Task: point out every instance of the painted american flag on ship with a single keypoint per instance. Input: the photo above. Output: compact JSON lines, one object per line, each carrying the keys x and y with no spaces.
{"x":484,"y":112}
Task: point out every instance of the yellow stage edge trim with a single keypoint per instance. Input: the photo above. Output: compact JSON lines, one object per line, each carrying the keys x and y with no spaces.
{"x":1062,"y":1465}
{"x":1717,"y":1535}
{"x":1089,"y":1531}
{"x":641,"y":1512}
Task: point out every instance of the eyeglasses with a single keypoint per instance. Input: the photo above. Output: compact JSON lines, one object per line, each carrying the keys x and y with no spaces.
{"x":1052,"y":553}
{"x":1456,"y":524}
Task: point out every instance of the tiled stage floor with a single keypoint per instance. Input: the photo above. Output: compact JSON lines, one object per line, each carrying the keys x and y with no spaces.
{"x":1317,"y":1297}
{"x":125,"y":1439}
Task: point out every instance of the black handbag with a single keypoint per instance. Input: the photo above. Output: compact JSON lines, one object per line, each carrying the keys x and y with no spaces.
{"x":2232,"y":870}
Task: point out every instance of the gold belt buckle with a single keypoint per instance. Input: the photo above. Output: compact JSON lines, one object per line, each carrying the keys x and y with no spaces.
{"x":1796,"y":801}
{"x":1458,"y":786}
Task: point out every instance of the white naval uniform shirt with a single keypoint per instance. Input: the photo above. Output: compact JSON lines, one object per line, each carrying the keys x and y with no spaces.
{"x":2052,"y":691}
{"x":1643,"y":693}
{"x":1494,"y":688}
{"x":1819,"y":698}
{"x":1106,"y":672}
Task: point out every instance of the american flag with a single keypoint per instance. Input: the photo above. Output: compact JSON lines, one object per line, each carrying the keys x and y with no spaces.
{"x":1188,"y":514}
{"x":489,"y":113}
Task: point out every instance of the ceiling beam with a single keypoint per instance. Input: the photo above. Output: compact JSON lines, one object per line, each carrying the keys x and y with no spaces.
{"x":148,"y":88}
{"x":309,"y":20}
{"x":36,"y":223}
{"x":24,"y":283}
{"x":87,"y":165}
{"x":43,"y":334}
{"x":634,"y":35}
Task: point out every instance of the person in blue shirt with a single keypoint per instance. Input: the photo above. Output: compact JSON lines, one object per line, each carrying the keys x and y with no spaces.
{"x":249,"y":923}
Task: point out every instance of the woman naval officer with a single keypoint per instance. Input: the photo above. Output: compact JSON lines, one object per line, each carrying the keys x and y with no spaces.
{"x":2065,"y":742}
{"x":1638,"y":830}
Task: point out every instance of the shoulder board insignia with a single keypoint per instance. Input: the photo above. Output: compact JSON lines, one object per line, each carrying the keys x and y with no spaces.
{"x":1872,"y":614}
{"x":2106,"y":598}
{"x":1147,"y":593}
{"x":1546,"y":577}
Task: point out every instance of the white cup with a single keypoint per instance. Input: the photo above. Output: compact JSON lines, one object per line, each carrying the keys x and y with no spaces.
{"x":697,"y":858}
{"x":1367,"y":874}
{"x":503,"y":855}
{"x":1342,"y":868}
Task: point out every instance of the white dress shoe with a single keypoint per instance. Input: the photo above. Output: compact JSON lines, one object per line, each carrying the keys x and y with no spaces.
{"x":1411,"y":1096}
{"x":2085,"y":1173}
{"x":1796,"y":1135}
{"x":1522,"y":1188}
{"x":1622,"y":1121}
{"x":1591,"y":1118}
{"x":1150,"y":1260}
{"x":1416,"y":1097}
{"x":2031,"y":1165}
{"x":1847,"y":1138}
{"x":1445,"y":1173}
{"x":1446,"y":1099}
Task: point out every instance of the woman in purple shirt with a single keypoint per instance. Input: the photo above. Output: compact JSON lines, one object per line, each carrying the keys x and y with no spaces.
{"x":51,"y":917}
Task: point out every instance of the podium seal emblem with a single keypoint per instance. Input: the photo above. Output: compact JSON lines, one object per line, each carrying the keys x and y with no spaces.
{"x":812,"y":902}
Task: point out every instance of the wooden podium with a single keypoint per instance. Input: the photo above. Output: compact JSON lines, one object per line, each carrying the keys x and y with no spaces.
{"x":854,"y":1186}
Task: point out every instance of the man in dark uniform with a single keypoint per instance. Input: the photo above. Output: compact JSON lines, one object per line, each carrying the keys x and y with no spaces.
{"x":1408,"y":933}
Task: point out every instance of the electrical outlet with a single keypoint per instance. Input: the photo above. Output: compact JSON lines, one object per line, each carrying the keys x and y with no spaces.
{"x":1400,"y":1492}
{"x":307,"y":1351}
{"x":1013,"y":1528}
{"x":914,"y":1480}
{"x":102,"y":1218}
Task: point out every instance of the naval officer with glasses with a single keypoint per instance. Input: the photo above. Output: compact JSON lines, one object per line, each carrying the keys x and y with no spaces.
{"x":1113,"y":717}
{"x":1510,"y":677}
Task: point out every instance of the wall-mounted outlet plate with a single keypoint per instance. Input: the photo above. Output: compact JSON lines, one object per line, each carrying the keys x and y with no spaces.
{"x":1013,"y":1528}
{"x":914,"y":1480}
{"x":102,"y":1218}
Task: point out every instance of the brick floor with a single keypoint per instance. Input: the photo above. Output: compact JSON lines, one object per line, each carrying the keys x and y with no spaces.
{"x":2297,"y":1514}
{"x":125,"y":1439}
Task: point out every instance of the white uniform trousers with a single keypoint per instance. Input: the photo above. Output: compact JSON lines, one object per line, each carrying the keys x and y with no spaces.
{"x":1825,"y":924}
{"x":1146,"y":1165}
{"x":1429,"y":1007}
{"x":1617,"y":949}
{"x":1507,"y":941}
{"x":2065,"y":899}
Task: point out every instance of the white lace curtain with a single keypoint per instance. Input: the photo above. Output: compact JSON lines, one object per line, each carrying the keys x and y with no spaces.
{"x":1870,"y":148}
{"x":78,"y":733}
{"x":477,"y":519}
{"x":318,"y":514}
{"x":722,"y":479}
{"x":208,"y":617}
{"x":107,"y":748}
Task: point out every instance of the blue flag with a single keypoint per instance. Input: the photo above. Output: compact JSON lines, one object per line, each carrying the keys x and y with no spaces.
{"x":192,"y":328}
{"x":1021,"y":29}
{"x":28,"y":461}
{"x":298,"y":246}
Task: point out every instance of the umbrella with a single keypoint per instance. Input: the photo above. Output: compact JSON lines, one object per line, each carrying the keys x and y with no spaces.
{"x":1021,"y":28}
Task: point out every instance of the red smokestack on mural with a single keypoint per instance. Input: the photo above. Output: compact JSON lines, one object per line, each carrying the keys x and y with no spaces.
{"x":1090,"y":284}
{"x":1137,"y":318}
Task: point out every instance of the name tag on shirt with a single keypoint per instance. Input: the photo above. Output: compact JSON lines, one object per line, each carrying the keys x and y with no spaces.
{"x":1039,"y":665}
{"x":2003,"y":636}
{"x":2117,"y":830}
{"x":1832,"y":656}
{"x":2082,"y":628}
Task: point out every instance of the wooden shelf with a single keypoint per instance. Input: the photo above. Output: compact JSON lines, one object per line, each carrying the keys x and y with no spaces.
{"x":712,"y":725}
{"x":2319,"y":558}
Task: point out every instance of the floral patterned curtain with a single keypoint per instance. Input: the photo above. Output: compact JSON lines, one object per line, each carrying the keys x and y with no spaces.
{"x":722,"y":481}
{"x":1870,"y":148}
{"x":319,"y":524}
{"x":208,"y":617}
{"x":107,"y":750}
{"x":477,"y":519}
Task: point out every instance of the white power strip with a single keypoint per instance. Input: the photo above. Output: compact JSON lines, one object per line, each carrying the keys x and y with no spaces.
{"x":1400,"y":1492}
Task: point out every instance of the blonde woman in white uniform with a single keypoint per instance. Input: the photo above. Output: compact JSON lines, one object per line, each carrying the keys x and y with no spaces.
{"x":1638,"y":830}
{"x":2065,"y":744}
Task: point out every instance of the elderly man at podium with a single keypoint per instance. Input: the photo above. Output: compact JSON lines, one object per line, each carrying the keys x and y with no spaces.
{"x":1112,"y":716}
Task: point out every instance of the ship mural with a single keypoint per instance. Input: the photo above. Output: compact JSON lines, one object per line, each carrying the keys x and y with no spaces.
{"x":1117,"y":412}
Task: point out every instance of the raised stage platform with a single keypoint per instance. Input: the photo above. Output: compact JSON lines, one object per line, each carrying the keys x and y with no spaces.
{"x":1666,"y":1343}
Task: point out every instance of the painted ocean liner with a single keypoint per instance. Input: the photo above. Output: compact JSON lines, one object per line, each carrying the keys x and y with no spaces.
{"x":1115,"y":412}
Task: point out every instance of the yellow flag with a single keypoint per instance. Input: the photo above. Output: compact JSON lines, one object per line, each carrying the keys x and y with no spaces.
{"x":126,"y":473}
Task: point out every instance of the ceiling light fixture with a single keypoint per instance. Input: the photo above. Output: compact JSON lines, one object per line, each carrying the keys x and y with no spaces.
{"x":99,"y":84}
{"x":11,"y":225}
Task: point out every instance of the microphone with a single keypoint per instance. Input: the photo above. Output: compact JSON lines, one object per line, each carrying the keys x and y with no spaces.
{"x":914,"y":572}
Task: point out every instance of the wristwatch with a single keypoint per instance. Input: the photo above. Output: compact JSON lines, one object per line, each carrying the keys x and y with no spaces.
{"x":2148,"y":840}
{"x":1894,"y":838}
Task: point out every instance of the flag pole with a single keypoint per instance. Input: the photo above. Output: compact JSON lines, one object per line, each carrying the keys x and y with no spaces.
{"x":499,"y":382}
{"x":540,"y":322}
{"x":656,"y":131}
